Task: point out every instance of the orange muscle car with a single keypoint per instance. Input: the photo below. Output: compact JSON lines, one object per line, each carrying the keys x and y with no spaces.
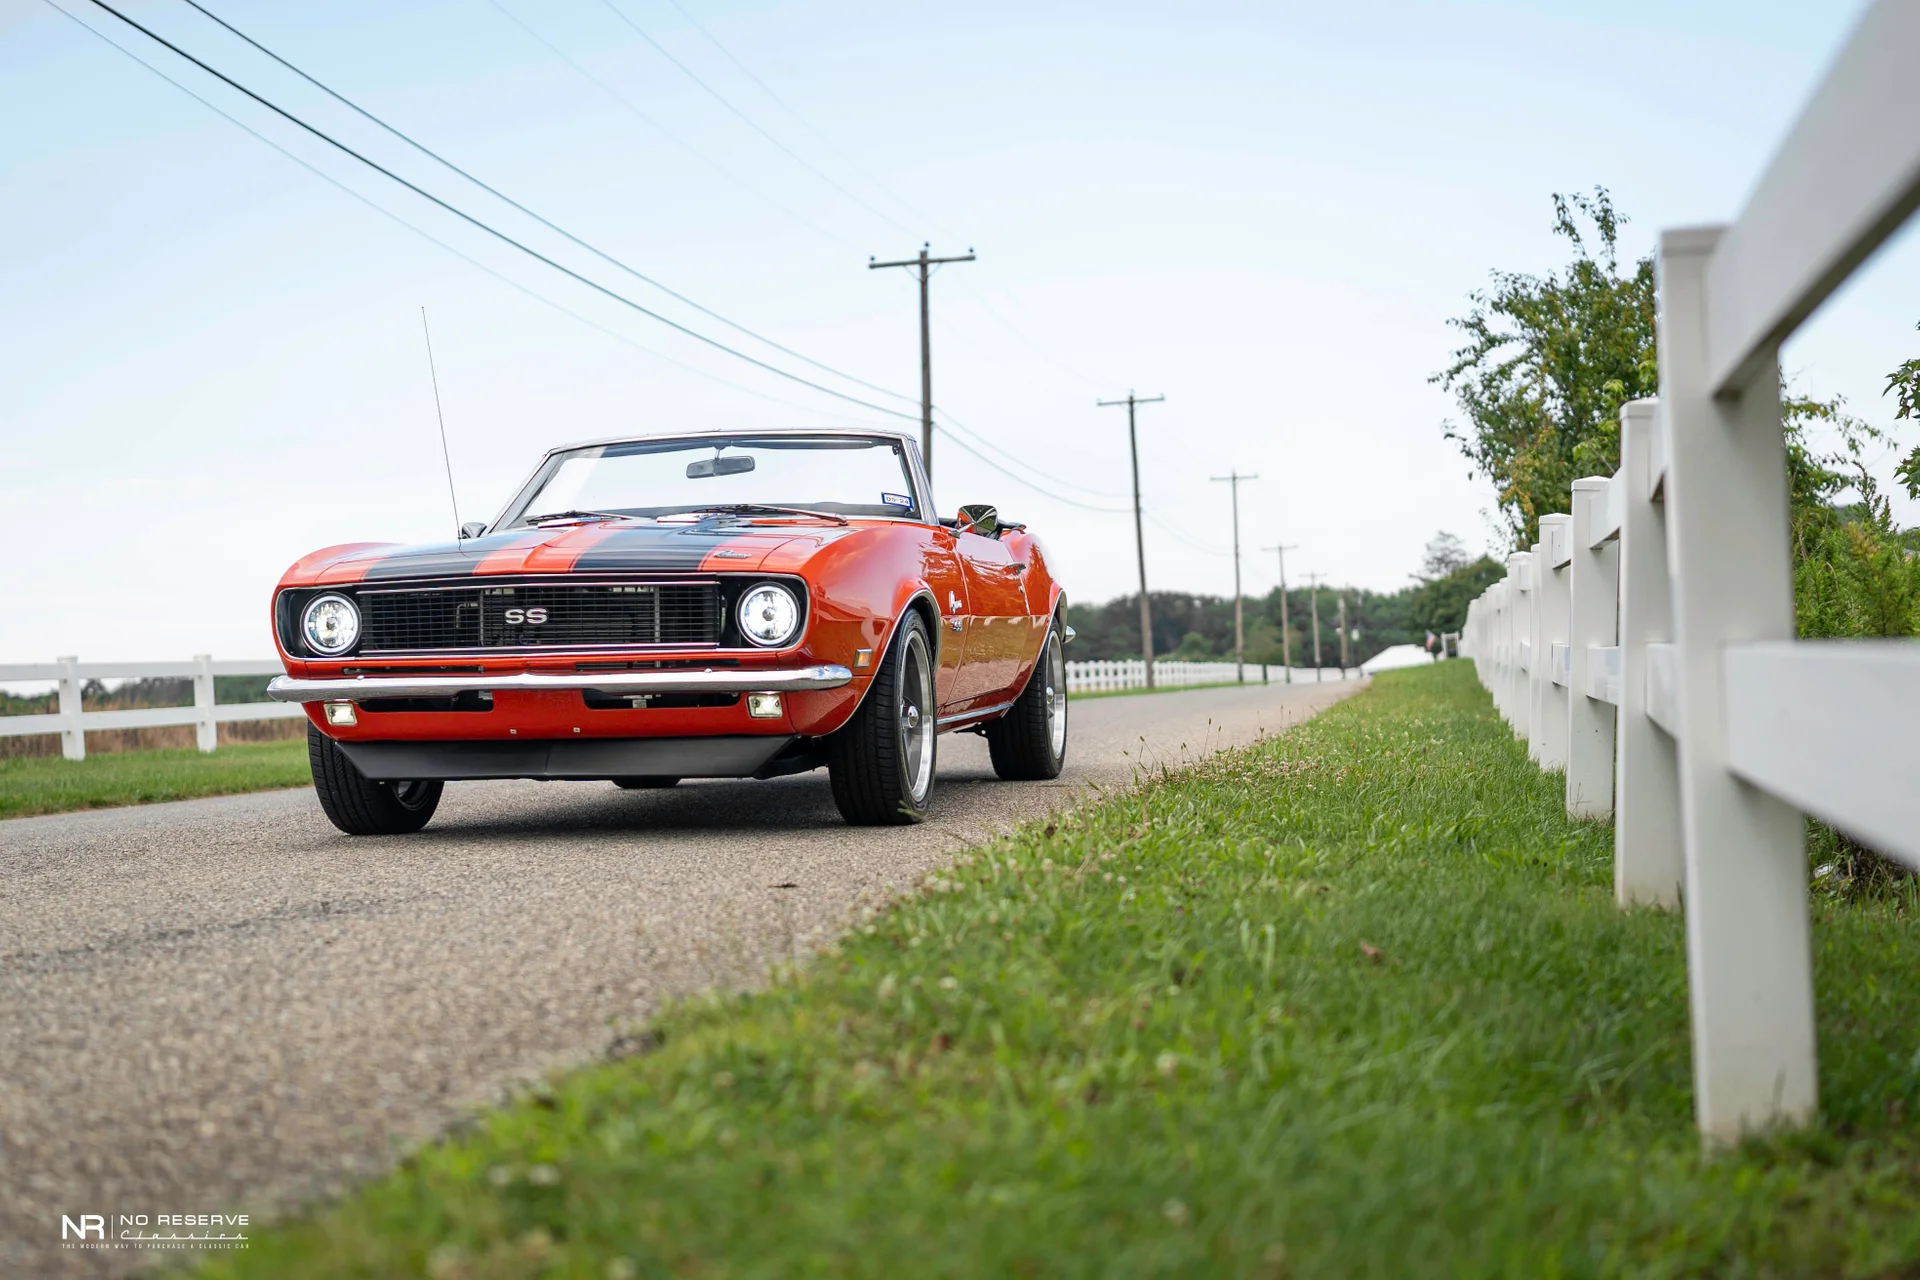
{"x":700,"y":605}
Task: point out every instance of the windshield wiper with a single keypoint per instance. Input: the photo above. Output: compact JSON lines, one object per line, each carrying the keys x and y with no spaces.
{"x":761,"y":508}
{"x":578,"y":515}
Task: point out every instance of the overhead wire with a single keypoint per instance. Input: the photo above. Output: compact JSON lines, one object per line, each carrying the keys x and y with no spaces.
{"x":428,"y":236}
{"x":684,"y":145}
{"x":751,"y":123}
{"x":808,"y":125}
{"x":946,"y":420}
{"x":1016,"y":476}
{"x":544,"y":221}
{"x":502,"y":236}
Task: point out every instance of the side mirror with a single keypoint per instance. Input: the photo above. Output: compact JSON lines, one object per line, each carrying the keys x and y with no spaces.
{"x":472,"y":529}
{"x":980,"y":518}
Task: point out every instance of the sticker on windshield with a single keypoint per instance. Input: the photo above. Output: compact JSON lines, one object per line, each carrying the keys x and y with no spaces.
{"x":896,"y":500}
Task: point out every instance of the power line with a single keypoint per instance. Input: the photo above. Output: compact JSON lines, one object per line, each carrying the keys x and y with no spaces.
{"x":544,"y":221}
{"x":670,"y":135}
{"x":1014,"y":475}
{"x":788,"y":107}
{"x":951,"y":424}
{"x":428,"y":236}
{"x":1179,"y":536}
{"x":749,"y":121}
{"x":493,"y":231}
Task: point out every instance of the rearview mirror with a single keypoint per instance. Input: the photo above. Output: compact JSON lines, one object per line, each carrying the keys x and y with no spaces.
{"x":980,"y":518}
{"x":707,"y":468}
{"x":472,"y":529}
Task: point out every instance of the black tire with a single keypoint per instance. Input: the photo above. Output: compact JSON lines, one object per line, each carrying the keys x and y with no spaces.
{"x":360,"y":806}
{"x":645,"y":783}
{"x":881,"y":762}
{"x":1029,"y":743}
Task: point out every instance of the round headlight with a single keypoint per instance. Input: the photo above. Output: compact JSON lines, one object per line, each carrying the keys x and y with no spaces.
{"x":769,"y":615}
{"x":331,"y":624}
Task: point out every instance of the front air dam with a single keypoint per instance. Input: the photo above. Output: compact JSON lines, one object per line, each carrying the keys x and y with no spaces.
{"x":577,"y":759}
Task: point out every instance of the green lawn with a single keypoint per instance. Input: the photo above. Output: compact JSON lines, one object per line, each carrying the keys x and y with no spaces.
{"x":29,"y":786}
{"x":1355,"y":1002}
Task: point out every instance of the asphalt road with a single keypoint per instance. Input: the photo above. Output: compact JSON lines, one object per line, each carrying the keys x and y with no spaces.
{"x":220,"y":1005}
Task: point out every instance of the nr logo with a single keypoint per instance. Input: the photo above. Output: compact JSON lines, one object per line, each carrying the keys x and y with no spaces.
{"x":527,"y":617}
{"x":92,"y":1226}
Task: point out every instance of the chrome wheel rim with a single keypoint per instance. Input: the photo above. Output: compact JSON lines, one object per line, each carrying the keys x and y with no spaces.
{"x":1056,"y":677}
{"x":916,"y":716}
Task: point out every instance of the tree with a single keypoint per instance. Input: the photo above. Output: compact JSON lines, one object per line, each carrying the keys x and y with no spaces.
{"x":1547,"y":364}
{"x":1904,"y":384}
{"x":1444,"y":554}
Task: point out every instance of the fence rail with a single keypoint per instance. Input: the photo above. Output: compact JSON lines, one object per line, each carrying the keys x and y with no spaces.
{"x":1645,"y":644}
{"x":72,"y":722}
{"x":1131,"y":673}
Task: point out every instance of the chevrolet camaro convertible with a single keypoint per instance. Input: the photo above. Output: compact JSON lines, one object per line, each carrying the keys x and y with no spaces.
{"x":706,"y":605}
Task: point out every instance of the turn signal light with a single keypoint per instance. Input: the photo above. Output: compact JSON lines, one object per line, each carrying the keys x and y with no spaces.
{"x":763,"y":706}
{"x":341,"y":713}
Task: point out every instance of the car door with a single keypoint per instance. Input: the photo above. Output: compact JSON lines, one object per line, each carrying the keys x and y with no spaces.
{"x":948,"y":582}
{"x":997,"y":623}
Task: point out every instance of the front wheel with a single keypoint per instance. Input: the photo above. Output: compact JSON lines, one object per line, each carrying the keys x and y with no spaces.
{"x":361,"y":806}
{"x":881,"y":761}
{"x":1029,"y":743}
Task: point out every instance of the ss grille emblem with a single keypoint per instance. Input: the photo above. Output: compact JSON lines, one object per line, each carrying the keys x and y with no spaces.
{"x":531,"y":617}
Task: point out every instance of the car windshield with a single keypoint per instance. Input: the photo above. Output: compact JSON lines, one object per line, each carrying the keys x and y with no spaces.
{"x":832,"y":475}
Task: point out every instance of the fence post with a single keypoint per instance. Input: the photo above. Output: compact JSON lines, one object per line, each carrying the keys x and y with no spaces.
{"x":73,"y":737}
{"x":1552,"y":607}
{"x":1749,"y":957}
{"x":1648,"y":863}
{"x":206,"y":732}
{"x":1520,"y":628}
{"x":1593,"y":588}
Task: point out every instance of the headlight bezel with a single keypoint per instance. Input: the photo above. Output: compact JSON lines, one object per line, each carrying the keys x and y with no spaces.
{"x":794,"y":604}
{"x":306,"y":629}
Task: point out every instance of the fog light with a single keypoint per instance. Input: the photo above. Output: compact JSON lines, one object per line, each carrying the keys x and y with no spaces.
{"x":341,"y":713}
{"x":763,"y":706}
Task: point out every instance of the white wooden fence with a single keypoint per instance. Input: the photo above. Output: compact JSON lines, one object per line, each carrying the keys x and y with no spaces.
{"x":72,"y":723}
{"x":1646,"y":644}
{"x":1131,"y":673}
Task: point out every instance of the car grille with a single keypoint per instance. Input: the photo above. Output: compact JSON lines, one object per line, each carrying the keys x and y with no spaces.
{"x":577,"y":616}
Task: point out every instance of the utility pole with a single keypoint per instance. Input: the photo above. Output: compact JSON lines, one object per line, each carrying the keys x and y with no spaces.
{"x":1313,"y":586}
{"x":1343,"y":634}
{"x":1233,"y":477}
{"x":926,"y":266}
{"x":1139,"y":538}
{"x":1286,"y":641}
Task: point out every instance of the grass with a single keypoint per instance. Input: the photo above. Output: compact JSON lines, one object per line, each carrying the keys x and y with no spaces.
{"x":1353,"y":1002}
{"x":40,"y":785}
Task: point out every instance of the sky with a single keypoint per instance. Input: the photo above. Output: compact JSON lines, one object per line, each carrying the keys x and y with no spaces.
{"x":212,"y":360}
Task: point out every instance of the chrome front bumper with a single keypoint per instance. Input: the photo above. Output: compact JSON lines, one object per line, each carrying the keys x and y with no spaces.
{"x":826,"y":675}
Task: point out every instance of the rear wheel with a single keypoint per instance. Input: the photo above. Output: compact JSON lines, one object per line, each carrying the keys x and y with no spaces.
{"x":881,"y":761}
{"x":1029,"y":743}
{"x":359,"y":805}
{"x":638,"y":783}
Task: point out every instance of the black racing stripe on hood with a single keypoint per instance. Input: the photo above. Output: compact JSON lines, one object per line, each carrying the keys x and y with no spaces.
{"x":649,"y":549}
{"x":441,"y":560}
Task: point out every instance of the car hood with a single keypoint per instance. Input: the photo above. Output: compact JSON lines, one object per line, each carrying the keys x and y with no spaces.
{"x":610,"y":546}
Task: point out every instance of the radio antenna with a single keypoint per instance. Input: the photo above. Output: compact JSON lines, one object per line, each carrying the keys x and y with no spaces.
{"x":441,"y":415}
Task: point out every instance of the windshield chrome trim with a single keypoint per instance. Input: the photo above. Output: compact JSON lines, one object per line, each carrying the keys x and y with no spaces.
{"x":916,"y":468}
